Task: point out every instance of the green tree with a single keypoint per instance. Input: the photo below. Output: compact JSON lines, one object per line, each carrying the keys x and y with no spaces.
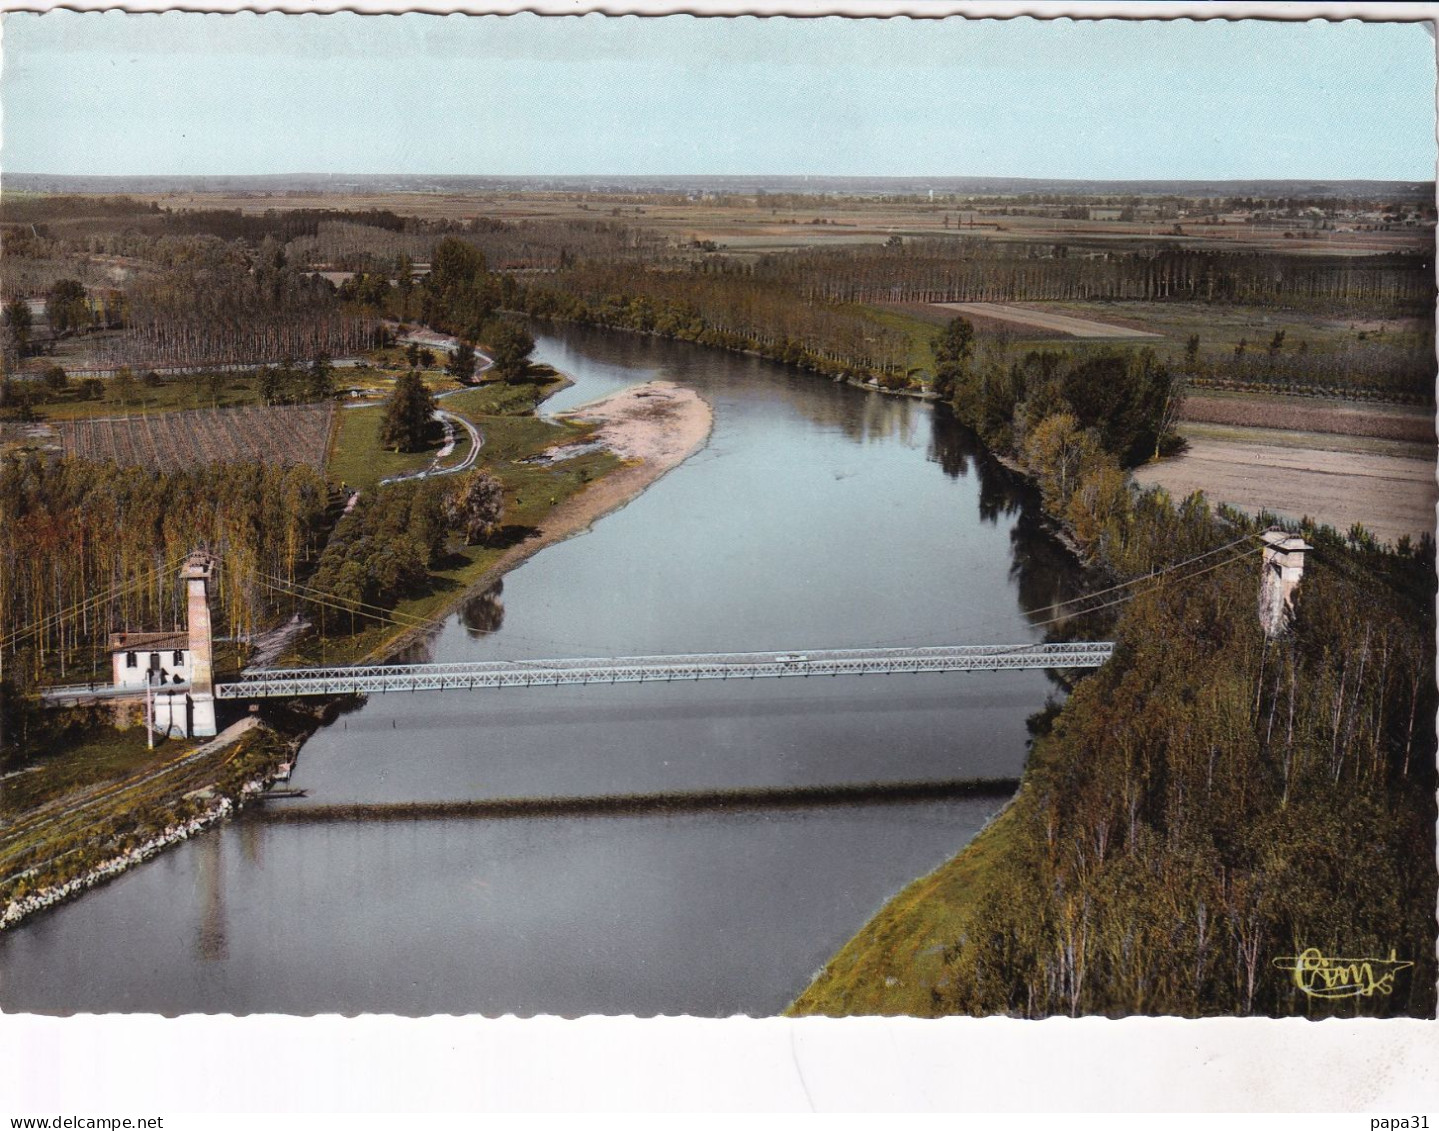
{"x":408,"y":414}
{"x":55,"y":378}
{"x":15,"y":400}
{"x":320,"y":378}
{"x":477,"y":506}
{"x":124,"y":385}
{"x":459,"y":296}
{"x":952,"y":348}
{"x":269,"y":385}
{"x":18,"y":321}
{"x":461,"y":365}
{"x":1055,"y":451}
{"x":66,"y":308}
{"x":510,"y":345}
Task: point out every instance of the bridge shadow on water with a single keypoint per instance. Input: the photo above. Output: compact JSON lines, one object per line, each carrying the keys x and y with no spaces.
{"x":497,"y":706}
{"x":638,"y":804}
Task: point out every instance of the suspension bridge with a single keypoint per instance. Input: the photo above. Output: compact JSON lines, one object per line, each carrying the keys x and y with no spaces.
{"x":381,"y":678}
{"x":185,"y":695}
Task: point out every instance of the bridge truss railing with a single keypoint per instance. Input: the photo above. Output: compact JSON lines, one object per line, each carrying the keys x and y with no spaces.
{"x":380,"y":678}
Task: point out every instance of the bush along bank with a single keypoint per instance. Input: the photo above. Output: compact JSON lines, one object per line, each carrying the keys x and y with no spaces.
{"x":49,"y":861}
{"x":1208,"y":807}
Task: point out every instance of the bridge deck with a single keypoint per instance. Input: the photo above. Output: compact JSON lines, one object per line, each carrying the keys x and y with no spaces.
{"x":379,"y":678}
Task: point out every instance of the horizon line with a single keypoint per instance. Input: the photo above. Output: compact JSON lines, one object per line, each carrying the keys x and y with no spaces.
{"x":854,"y":177}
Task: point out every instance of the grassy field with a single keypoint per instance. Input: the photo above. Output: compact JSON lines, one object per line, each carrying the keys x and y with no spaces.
{"x":747,"y":224}
{"x":172,"y":394}
{"x":98,"y":755}
{"x":1399,"y":423}
{"x":1221,"y":326}
{"x":920,"y":331}
{"x":891,"y":965}
{"x":357,"y":459}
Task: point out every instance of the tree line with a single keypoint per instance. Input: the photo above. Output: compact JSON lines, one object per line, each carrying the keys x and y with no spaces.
{"x":384,"y":549}
{"x":968,"y":269}
{"x":87,"y":549}
{"x":1212,"y":800}
{"x":1213,"y":803}
{"x":728,"y":311}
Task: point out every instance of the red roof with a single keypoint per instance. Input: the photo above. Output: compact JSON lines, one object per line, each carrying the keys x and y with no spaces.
{"x":149,"y":641}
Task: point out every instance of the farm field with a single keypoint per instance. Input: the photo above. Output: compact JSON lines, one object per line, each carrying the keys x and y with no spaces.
{"x":1389,"y":495}
{"x":748,"y":223}
{"x":1221,"y":326}
{"x":1062,"y":324}
{"x":1385,"y":422}
{"x":288,"y":435}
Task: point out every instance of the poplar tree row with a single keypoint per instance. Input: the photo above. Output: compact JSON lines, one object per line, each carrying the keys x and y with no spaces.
{"x":87,"y":549}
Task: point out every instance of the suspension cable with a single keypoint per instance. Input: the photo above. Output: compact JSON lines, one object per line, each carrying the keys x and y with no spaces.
{"x":1140,"y":593}
{"x":71,"y":611}
{"x":310,"y":593}
{"x":346,"y":608}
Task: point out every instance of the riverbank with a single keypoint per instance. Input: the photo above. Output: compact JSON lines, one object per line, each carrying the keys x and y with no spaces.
{"x":897,"y":965}
{"x":869,"y":384}
{"x":1131,"y":844}
{"x":54,"y":856}
{"x":650,"y":428}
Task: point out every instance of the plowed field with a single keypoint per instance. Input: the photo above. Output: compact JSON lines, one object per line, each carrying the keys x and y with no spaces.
{"x":279,"y":435}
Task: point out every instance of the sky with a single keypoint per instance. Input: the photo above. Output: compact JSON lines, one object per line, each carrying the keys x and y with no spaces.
{"x":186,"y":94}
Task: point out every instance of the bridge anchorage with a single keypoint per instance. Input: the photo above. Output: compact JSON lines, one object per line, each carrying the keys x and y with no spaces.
{"x":382,"y":678}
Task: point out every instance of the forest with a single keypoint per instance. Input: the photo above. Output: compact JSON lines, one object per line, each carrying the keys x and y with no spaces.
{"x":1213,"y":800}
{"x":92,"y":548}
{"x":189,"y":287}
{"x":969,"y":269}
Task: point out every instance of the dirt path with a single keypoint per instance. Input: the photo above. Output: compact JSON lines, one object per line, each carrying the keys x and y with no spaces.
{"x":1389,"y":495}
{"x":1065,"y":324}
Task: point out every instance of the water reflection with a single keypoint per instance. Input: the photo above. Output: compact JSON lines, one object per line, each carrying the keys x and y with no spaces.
{"x":951,"y":445}
{"x":483,"y":613}
{"x":211,"y":940}
{"x":1043,"y":570}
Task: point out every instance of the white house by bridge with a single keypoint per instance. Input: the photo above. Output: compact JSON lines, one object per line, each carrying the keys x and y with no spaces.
{"x":133,"y":655}
{"x":177,"y":666}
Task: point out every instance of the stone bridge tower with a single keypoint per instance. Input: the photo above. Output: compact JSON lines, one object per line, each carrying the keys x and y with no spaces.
{"x":1282,"y":569}
{"x":198,"y":571}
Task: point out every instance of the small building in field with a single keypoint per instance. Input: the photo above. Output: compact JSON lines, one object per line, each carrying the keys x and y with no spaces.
{"x":132,"y":654}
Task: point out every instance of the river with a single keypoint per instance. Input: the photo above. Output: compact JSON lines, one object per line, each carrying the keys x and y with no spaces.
{"x":818,"y":515}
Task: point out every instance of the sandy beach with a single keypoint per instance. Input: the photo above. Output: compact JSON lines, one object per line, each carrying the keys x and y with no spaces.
{"x":653,"y":427}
